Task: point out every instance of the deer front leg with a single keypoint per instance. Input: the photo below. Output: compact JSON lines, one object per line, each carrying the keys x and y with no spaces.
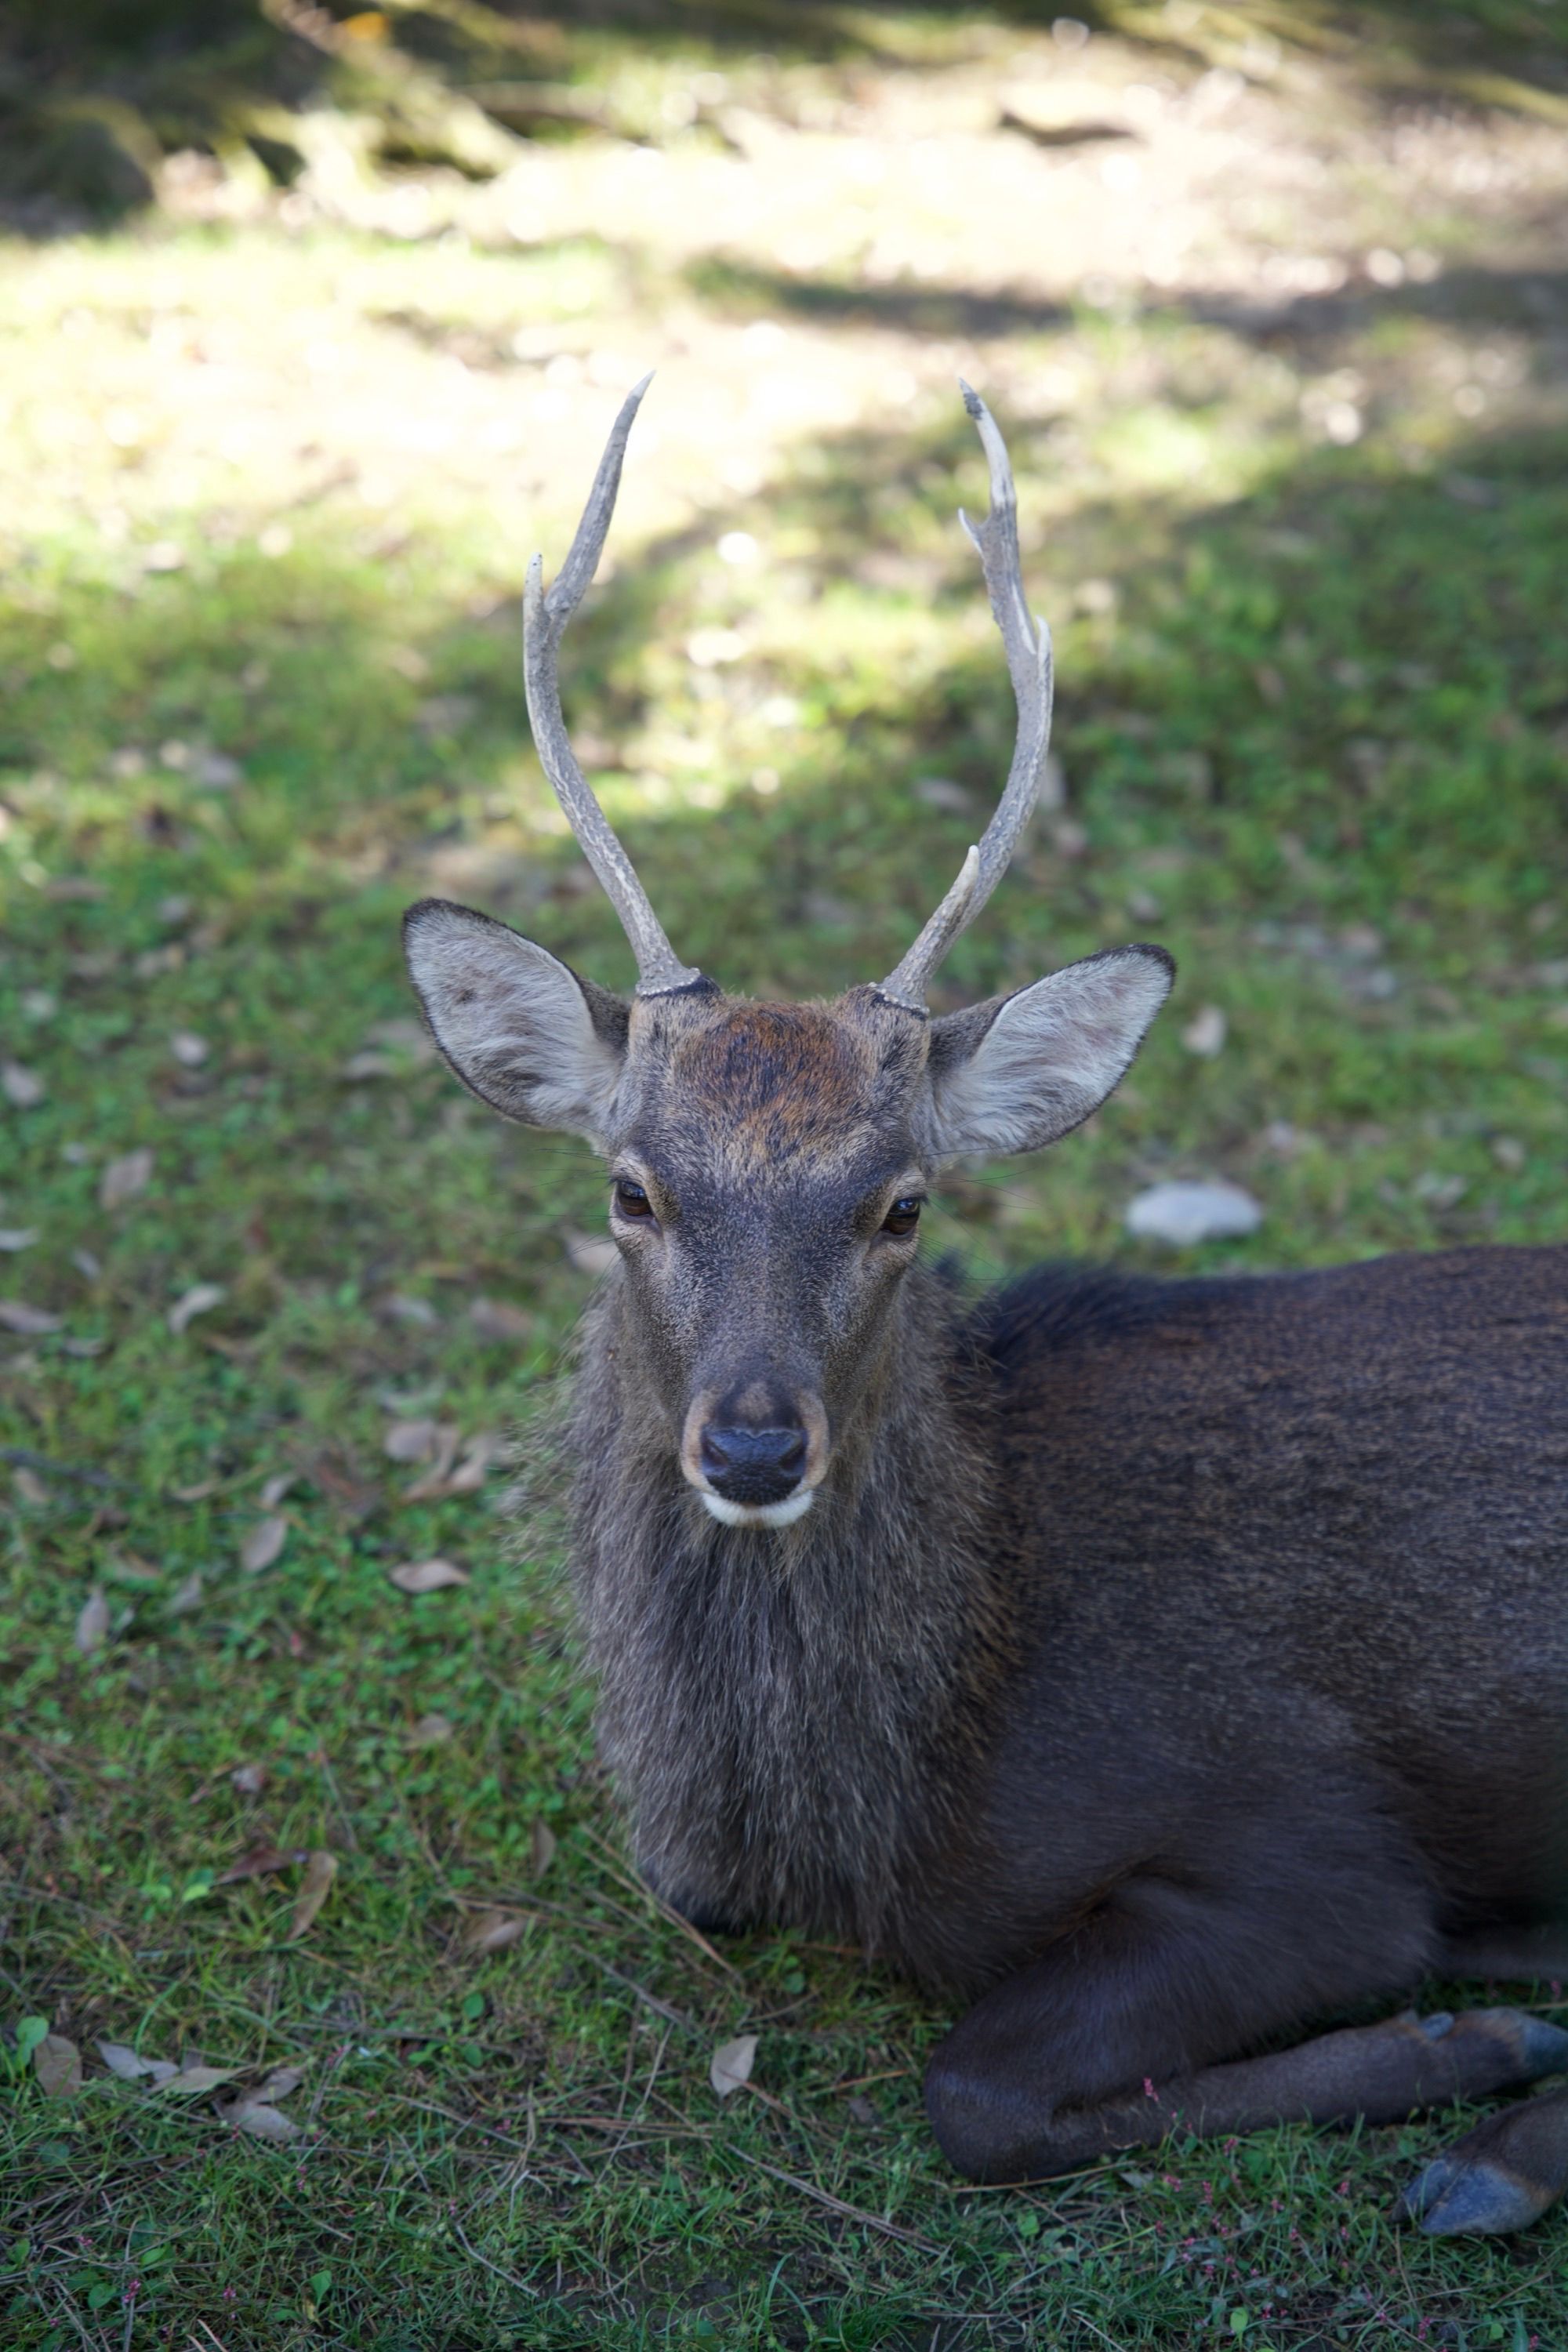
{"x":1109,"y":2042}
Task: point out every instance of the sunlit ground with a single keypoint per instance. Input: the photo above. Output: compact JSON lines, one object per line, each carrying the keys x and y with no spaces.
{"x":1275,"y":320}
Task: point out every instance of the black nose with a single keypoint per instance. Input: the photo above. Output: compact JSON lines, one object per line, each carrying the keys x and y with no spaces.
{"x":753,"y":1465}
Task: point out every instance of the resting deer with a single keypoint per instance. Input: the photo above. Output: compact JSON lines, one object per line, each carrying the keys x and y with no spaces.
{"x":1163,"y":1667}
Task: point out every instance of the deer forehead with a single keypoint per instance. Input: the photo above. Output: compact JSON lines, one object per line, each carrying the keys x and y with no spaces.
{"x":756,"y":1088}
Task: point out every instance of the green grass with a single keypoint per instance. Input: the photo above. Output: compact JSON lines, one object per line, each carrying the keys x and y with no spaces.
{"x":1312,"y":715}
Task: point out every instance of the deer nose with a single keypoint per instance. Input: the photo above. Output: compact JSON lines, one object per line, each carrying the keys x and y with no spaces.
{"x":752,"y":1465}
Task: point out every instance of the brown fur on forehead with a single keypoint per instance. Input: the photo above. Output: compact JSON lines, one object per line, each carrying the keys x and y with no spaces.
{"x":773,"y":1082}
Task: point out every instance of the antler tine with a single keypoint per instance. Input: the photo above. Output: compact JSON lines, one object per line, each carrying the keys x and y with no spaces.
{"x":544,"y":619}
{"x":1027,"y":642}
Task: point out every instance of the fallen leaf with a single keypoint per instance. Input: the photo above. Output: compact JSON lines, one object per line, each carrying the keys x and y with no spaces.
{"x":497,"y":1318}
{"x":260,"y":2120}
{"x":92,"y":1623}
{"x":189,"y":1050}
{"x":28,"y":1485}
{"x":430,"y":1731}
{"x":263,"y":1544}
{"x":492,"y":1931}
{"x":272,"y":1494}
{"x":23,"y":1089}
{"x":544,"y":1843}
{"x":427,"y":1576}
{"x":128,"y":1568}
{"x":123,"y":1178}
{"x":188,"y":1595}
{"x":320,"y":1873}
{"x":403,"y":1307}
{"x":18,"y":1238}
{"x":56,"y":2062}
{"x":410,"y":1440}
{"x":590,"y":1253}
{"x":261,"y":1860}
{"x":431,"y":1483}
{"x":121,"y":2060}
{"x":469,"y":1476}
{"x":198,"y":1493}
{"x":730,"y":2066}
{"x":279,"y":2083}
{"x":1206,"y":1032}
{"x":187,"y":2081}
{"x":200,"y":1299}
{"x":368,"y":1066}
{"x":248,"y":1779}
{"x":28,"y":1322}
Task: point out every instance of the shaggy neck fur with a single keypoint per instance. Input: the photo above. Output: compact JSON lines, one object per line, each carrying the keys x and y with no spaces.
{"x":790,"y":1712}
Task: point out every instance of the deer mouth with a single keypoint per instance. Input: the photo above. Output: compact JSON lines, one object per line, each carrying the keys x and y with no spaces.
{"x":758,"y":1515}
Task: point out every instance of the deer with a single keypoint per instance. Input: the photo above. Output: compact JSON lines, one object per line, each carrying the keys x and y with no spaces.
{"x":1170,"y":1674}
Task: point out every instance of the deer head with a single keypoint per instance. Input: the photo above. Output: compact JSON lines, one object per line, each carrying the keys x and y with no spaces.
{"x":768,"y":1162}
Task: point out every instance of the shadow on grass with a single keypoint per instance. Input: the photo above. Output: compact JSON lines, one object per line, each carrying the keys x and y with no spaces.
{"x":93,"y":98}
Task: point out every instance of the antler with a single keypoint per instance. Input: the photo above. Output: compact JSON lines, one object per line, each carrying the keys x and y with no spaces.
{"x":544,"y":619}
{"x":1029,"y":644}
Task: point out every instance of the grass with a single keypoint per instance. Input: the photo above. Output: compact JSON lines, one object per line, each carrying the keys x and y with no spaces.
{"x":271,"y":482}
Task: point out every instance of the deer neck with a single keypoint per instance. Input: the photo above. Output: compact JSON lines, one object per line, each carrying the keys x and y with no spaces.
{"x":787,"y":1710}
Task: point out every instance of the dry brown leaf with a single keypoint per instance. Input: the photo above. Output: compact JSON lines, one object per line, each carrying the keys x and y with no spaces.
{"x":544,"y":1843}
{"x":492,"y":1931}
{"x":198,"y":1493}
{"x":200,"y":1299}
{"x":92,"y":1623}
{"x":477,"y":1455}
{"x":123,"y":1178}
{"x":18,"y":1238}
{"x":121,"y":2060}
{"x":29,"y":1486}
{"x":320,"y":1873}
{"x":279,"y":2083}
{"x":189,"y":1050}
{"x":248,"y":1779}
{"x":590,"y":1253}
{"x":430,"y":1731}
{"x":730,"y":2068}
{"x":410,"y":1440}
{"x":187,"y":1597}
{"x":190,"y":2081}
{"x":261,"y":2121}
{"x":427,"y":1576}
{"x":431,"y":1483}
{"x":261,"y":1860}
{"x":263,"y":1544}
{"x":497,"y":1318}
{"x":56,"y":2062}
{"x":28,"y":1322}
{"x":272,"y":1494}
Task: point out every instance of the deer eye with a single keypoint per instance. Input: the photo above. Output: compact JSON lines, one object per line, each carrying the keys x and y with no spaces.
{"x":631,"y":1200}
{"x":903,"y":1216}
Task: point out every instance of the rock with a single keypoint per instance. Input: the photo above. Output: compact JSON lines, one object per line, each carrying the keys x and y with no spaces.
{"x":1180,"y":1214}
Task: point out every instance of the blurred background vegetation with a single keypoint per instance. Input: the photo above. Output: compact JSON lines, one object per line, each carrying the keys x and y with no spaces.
{"x":314,"y":323}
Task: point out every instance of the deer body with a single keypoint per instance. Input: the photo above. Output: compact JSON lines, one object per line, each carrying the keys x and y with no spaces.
{"x":1160,"y":1667}
{"x":1137,"y":1574}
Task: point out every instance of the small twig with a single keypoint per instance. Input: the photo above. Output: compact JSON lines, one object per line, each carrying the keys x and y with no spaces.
{"x":838,"y":2205}
{"x":859,"y":2082}
{"x":474,"y":2255}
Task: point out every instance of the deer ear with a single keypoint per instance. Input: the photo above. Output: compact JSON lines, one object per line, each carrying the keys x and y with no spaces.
{"x":1014,"y":1074}
{"x":521,"y":1031}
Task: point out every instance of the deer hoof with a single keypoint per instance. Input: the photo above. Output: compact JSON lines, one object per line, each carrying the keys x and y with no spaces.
{"x":1500,"y":2177}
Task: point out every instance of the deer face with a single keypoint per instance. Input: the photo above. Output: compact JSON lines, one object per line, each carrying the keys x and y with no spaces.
{"x":768,"y":1163}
